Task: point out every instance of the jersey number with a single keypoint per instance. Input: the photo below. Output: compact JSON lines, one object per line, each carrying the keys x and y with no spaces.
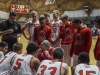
{"x":18,"y":63}
{"x":3,"y":59}
{"x":87,"y":72}
{"x":50,"y":68}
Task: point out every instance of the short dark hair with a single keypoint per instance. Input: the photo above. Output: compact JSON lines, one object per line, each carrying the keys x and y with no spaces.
{"x":77,"y":20}
{"x":31,"y":47}
{"x":47,"y":15}
{"x":58,"y":53}
{"x":98,"y":20}
{"x":41,"y":18}
{"x":12,"y":14}
{"x":3,"y":44}
{"x":17,"y":46}
{"x":84,"y":57}
{"x":64,"y":16}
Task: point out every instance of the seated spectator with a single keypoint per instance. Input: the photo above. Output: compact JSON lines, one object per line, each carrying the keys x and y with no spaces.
{"x":45,"y":51}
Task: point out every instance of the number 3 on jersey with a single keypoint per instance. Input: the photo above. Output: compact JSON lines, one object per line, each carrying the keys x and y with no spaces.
{"x":53,"y":70}
{"x":18,"y":63}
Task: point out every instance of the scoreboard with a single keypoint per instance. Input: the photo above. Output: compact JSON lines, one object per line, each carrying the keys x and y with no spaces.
{"x":20,"y":8}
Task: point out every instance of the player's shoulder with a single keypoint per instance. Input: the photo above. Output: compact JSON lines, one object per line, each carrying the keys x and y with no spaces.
{"x":1,"y":52}
{"x":64,"y":65}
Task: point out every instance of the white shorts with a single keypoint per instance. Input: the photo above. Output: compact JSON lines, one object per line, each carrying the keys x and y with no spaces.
{"x":98,"y":63}
{"x":67,"y":59}
{"x":75,"y":60}
{"x":57,"y":44}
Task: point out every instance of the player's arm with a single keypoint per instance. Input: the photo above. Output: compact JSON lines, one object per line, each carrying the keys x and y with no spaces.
{"x":65,"y":70}
{"x":88,"y":40}
{"x":36,"y":63}
{"x":23,"y":30}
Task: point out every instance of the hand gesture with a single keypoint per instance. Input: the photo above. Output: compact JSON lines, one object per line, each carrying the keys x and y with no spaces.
{"x":47,"y":53}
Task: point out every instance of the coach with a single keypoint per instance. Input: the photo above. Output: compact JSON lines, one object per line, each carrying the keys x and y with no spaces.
{"x":10,"y":30}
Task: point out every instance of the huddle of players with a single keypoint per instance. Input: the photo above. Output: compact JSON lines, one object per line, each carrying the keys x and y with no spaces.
{"x":15,"y":63}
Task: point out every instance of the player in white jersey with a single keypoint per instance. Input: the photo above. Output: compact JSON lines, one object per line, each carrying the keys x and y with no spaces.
{"x":26,"y":64}
{"x":55,"y":25}
{"x":55,"y":66}
{"x":84,"y":68}
{"x":31,"y":25}
{"x":3,"y":49}
{"x":7,"y":61}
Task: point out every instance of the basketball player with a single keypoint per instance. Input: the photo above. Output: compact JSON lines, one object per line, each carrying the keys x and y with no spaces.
{"x":97,"y":46}
{"x":82,"y":40}
{"x":7,"y":61}
{"x":3,"y":49}
{"x":67,"y":32}
{"x":55,"y":66}
{"x":84,"y":68}
{"x":26,"y":64}
{"x":55,"y":25}
{"x":42,"y":32}
{"x":47,"y":19}
{"x":31,"y":25}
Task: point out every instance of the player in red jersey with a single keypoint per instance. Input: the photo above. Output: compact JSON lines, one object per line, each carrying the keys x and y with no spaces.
{"x":47,"y":19}
{"x":82,"y":40}
{"x":97,"y":46}
{"x":42,"y":32}
{"x":67,"y":32}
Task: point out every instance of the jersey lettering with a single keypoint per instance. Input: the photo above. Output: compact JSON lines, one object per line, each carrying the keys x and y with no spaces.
{"x":18,"y":63}
{"x":87,"y":72}
{"x":44,"y":67}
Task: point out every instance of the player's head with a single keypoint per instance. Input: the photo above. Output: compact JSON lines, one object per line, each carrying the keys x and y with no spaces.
{"x":56,"y":14}
{"x":83,"y":58}
{"x":47,"y":17}
{"x":58,"y":53}
{"x":12,"y":17}
{"x":97,"y":23}
{"x":3,"y":47}
{"x":42,"y":21}
{"x":18,"y":47}
{"x":31,"y":48}
{"x":45,"y":45}
{"x":34,"y":15}
{"x":77,"y":23}
{"x":65,"y":19}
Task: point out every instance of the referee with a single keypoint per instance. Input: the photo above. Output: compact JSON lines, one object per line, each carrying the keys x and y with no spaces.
{"x":10,"y":30}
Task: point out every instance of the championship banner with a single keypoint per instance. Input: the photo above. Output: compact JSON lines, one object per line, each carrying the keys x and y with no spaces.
{"x":49,"y":2}
{"x":20,"y":8}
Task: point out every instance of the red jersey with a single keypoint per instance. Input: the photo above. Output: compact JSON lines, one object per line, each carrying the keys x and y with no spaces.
{"x":42,"y":56}
{"x":48,"y":24}
{"x":41,"y":34}
{"x":97,"y":48}
{"x":82,"y":41}
{"x":67,"y":33}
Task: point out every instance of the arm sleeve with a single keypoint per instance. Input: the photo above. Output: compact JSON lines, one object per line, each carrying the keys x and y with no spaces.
{"x":19,"y":29}
{"x":89,"y":41}
{"x":1,"y":55}
{"x":1,"y":26}
{"x":49,"y":35}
